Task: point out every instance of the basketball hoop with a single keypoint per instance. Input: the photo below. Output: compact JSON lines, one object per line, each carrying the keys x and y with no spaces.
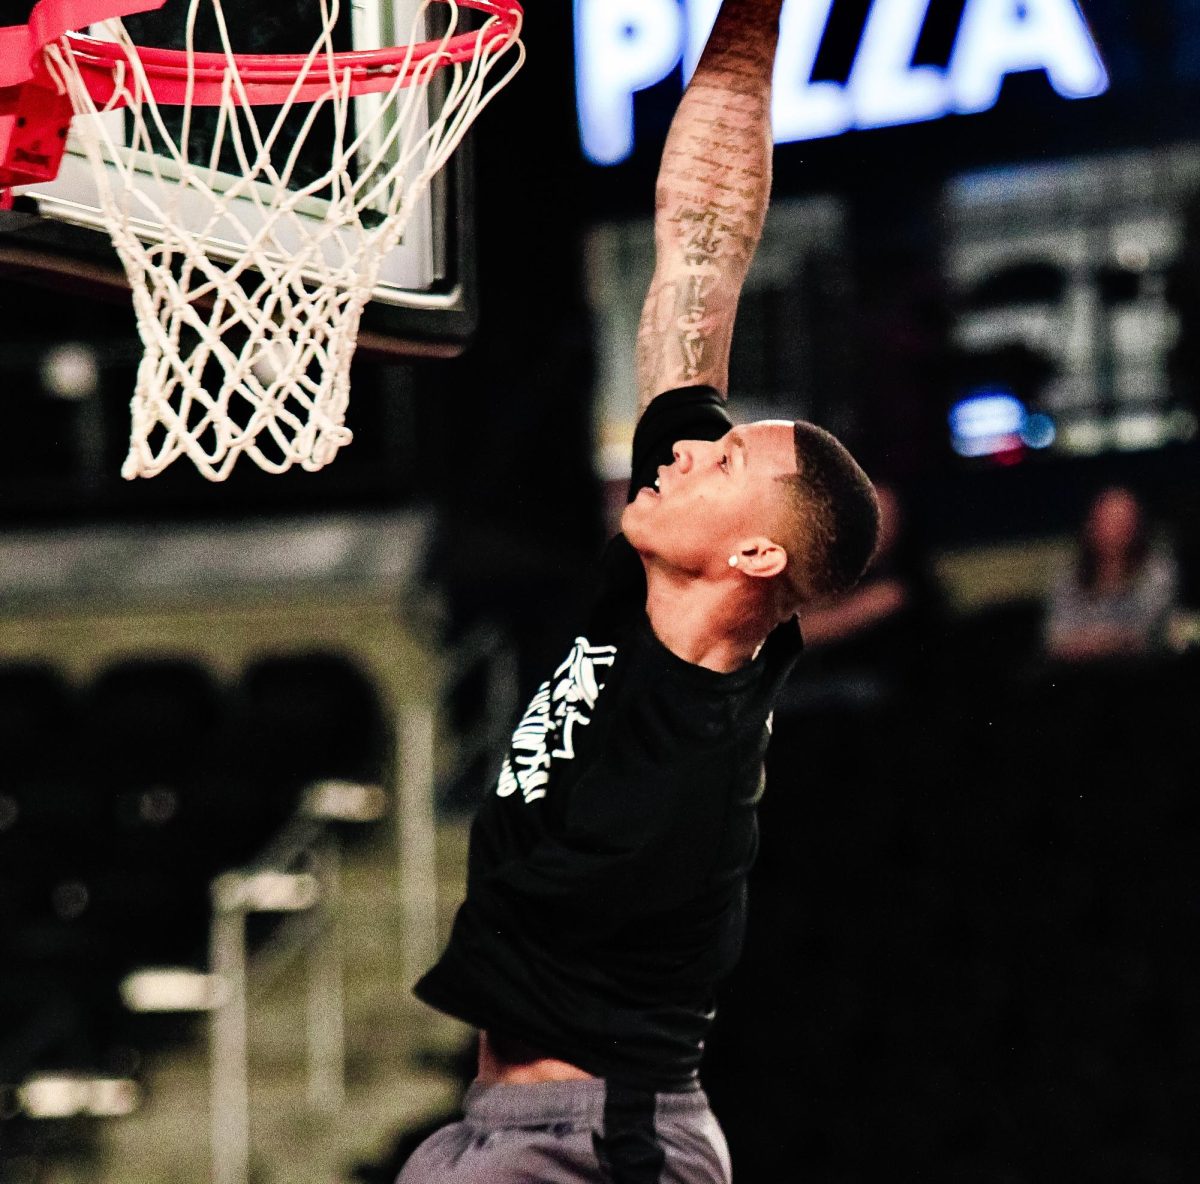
{"x":249,"y":311}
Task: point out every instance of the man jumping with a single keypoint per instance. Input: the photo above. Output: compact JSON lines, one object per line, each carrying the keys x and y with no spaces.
{"x":606,"y":890}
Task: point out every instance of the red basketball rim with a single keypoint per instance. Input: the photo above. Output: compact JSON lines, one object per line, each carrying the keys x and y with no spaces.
{"x":177,"y":78}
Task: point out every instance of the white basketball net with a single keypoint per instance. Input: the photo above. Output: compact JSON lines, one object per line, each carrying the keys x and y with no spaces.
{"x":250,"y":322}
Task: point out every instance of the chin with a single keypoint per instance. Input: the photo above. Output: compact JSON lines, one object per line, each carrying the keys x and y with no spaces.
{"x":638,"y":533}
{"x":629,"y":521}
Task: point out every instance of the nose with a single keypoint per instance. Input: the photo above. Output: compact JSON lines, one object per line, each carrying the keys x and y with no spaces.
{"x":684,"y":452}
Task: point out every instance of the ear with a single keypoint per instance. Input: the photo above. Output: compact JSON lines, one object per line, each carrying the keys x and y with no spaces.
{"x":760,"y":558}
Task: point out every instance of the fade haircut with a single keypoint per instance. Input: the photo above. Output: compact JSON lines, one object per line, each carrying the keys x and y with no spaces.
{"x":832,"y":519}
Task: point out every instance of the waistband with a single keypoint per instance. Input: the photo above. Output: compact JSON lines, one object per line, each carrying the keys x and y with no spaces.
{"x":501,"y":1106}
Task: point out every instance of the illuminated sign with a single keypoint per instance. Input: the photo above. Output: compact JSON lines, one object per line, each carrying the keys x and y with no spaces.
{"x":993,"y":421}
{"x":623,"y":46}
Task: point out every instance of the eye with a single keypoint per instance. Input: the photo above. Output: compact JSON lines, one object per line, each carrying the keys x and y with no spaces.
{"x":725,"y":461}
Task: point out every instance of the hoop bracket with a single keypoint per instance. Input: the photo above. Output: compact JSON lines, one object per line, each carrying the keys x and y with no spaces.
{"x":33,"y":133}
{"x":34,"y":115}
{"x":21,"y":45}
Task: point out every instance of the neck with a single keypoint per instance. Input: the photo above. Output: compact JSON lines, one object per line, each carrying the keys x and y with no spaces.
{"x":710,"y":623}
{"x":1110,"y":570}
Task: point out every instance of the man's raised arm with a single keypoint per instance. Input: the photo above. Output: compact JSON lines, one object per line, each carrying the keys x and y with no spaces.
{"x":711,"y":198}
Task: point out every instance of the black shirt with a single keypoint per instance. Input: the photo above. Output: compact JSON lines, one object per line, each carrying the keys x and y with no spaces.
{"x":606,"y":889}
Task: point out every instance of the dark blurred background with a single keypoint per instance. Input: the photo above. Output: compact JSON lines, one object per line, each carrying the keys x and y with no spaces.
{"x":973,"y":940}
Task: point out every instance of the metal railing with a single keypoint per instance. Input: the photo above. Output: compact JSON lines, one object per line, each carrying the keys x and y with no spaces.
{"x":299,"y":873}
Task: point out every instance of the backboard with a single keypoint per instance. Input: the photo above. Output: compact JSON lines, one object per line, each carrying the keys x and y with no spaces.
{"x":424,"y":298}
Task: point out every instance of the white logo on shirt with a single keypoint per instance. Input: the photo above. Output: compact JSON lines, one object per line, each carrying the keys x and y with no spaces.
{"x":551,"y":719}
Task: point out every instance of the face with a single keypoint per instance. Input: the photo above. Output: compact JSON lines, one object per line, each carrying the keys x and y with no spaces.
{"x":714,"y":499}
{"x":1113,"y":522}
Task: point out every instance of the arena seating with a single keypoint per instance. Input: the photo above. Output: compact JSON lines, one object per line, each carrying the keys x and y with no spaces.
{"x":306,"y":718}
{"x":973,"y":919}
{"x":49,"y":816}
{"x":119,"y":802}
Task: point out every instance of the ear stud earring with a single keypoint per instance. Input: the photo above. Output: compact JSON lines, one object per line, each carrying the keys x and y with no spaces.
{"x":733,"y":561}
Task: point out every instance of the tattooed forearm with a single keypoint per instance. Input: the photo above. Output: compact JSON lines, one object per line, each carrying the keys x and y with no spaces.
{"x":711,"y":198}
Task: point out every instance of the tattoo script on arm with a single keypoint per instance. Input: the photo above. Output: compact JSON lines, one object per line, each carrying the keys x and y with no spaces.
{"x":711,"y":199}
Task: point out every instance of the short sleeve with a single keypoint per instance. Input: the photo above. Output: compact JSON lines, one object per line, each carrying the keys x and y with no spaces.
{"x":1158,"y":597}
{"x":687,"y":413}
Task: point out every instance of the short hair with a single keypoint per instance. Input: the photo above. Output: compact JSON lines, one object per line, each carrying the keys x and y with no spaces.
{"x":832,"y":521}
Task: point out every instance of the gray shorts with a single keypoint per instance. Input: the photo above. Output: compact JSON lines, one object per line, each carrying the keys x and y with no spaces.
{"x":575,"y":1132}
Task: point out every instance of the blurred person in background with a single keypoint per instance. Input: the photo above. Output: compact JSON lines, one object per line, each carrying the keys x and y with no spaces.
{"x":1117,"y":598}
{"x":887,"y":624}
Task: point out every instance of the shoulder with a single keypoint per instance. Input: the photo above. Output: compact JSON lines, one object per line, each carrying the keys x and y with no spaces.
{"x":1159,"y":578}
{"x":682,"y":409}
{"x":1160,"y":570}
{"x":685,"y":413}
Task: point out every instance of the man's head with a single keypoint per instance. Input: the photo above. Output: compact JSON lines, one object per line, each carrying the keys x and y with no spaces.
{"x":784,"y":500}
